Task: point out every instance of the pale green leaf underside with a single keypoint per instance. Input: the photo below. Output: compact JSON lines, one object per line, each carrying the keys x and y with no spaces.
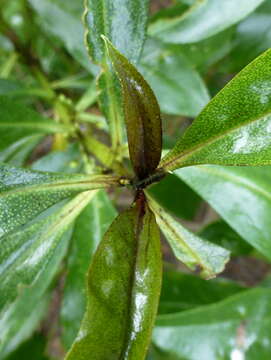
{"x":235,"y":127}
{"x":198,"y":254}
{"x":204,"y":19}
{"x":26,"y":193}
{"x":241,"y":196}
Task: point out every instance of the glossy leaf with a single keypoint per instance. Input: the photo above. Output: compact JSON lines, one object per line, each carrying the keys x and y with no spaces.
{"x":182,"y":292}
{"x":26,"y":193}
{"x":123,"y":290}
{"x":252,"y":37}
{"x":177,"y":85}
{"x":142,"y":115}
{"x":26,"y":251}
{"x":238,"y":327}
{"x":204,"y":19}
{"x":234,"y":128}
{"x":220,"y":233}
{"x":123,"y":22}
{"x":240,"y":195}
{"x":88,"y":230}
{"x":198,"y":254}
{"x":168,"y":192}
{"x":59,"y":19}
{"x":18,"y":121}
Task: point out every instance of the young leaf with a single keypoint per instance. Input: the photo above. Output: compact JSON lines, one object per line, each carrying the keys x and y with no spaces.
{"x":198,"y":254}
{"x":88,"y":230}
{"x":238,"y":325}
{"x":123,"y":290}
{"x":240,"y":195}
{"x":25,"y":252}
{"x":204,"y":19}
{"x":18,"y":121}
{"x":142,"y":115}
{"x":234,"y":128}
{"x":25,"y":193}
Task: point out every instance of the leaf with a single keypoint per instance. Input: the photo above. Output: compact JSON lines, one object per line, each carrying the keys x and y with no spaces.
{"x":220,"y":233}
{"x":181,"y":292}
{"x":25,"y":252}
{"x":238,"y":325}
{"x":123,"y":290}
{"x":234,"y":128}
{"x":253,"y":36}
{"x":59,"y":19}
{"x":122,"y":22}
{"x":177,"y":85}
{"x":166,"y":192}
{"x":32,"y":349}
{"x":17,"y":153}
{"x":198,"y":254}
{"x":89,"y":229}
{"x":241,"y":196}
{"x":18,"y":121}
{"x":25,"y":193}
{"x":142,"y":115}
{"x":204,"y":19}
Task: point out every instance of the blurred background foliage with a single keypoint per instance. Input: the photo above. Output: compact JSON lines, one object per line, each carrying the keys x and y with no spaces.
{"x":44,"y":64}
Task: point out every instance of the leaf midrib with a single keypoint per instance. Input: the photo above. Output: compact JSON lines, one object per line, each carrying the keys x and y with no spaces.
{"x":195,"y":149}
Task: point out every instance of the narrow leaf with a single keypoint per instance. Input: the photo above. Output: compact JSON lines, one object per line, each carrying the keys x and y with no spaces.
{"x":241,"y":196}
{"x":204,"y":19}
{"x":142,"y":115}
{"x":234,"y":128}
{"x":25,"y":252}
{"x":123,"y":291}
{"x":18,"y":121}
{"x":25,"y":193}
{"x":89,"y":229}
{"x":198,"y":254}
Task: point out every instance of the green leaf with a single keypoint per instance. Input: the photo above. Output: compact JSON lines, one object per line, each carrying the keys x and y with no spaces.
{"x":18,"y":121}
{"x":122,"y":22}
{"x":234,"y":128}
{"x":89,"y":229}
{"x":177,"y":85}
{"x":25,"y":193}
{"x":25,"y":252}
{"x":198,"y":254}
{"x":253,"y":36}
{"x":182,"y":292}
{"x":239,"y":325}
{"x":58,"y":19}
{"x":241,"y":196}
{"x":32,"y":349}
{"x":204,"y":19}
{"x":142,"y":115}
{"x":171,"y":188}
{"x":220,"y":233}
{"x":17,"y":153}
{"x":123,"y":290}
